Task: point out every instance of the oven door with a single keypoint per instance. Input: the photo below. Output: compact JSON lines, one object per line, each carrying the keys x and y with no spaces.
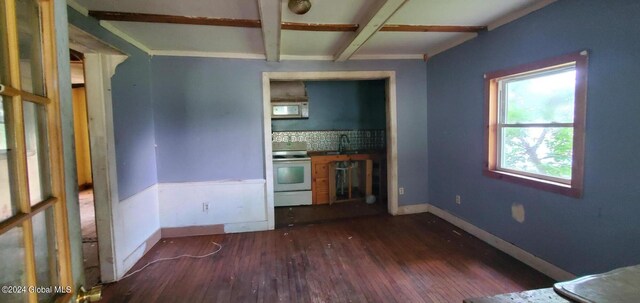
{"x":294,"y":175}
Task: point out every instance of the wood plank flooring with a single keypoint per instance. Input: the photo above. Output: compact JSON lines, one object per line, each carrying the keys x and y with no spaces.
{"x":288,"y":216}
{"x":413,"y":258}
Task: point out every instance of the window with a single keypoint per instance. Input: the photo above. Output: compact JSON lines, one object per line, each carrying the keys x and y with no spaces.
{"x":535,"y":124}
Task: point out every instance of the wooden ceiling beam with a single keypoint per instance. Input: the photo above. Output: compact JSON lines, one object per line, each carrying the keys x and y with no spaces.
{"x":155,"y":18}
{"x":319,"y":27}
{"x":294,"y":26}
{"x":432,"y":28}
{"x":271,"y":19}
{"x":377,"y":20}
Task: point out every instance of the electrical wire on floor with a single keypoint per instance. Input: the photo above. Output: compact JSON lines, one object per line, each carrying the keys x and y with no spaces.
{"x":174,"y":258}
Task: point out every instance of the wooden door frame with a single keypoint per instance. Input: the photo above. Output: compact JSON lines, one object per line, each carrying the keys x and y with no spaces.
{"x":100,"y":62}
{"x":391,"y":126}
{"x":99,"y":68}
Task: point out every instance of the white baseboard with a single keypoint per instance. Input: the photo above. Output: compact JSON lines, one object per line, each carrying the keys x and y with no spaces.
{"x":245,"y":227}
{"x":518,"y":253}
{"x":412,"y":209}
{"x":139,"y":252}
{"x":137,"y":225}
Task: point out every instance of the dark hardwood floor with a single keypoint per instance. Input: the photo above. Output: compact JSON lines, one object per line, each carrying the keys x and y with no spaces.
{"x":288,"y":216}
{"x":413,"y":258}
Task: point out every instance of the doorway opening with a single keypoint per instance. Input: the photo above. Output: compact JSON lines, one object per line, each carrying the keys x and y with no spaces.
{"x":343,"y":135}
{"x":91,"y":263}
{"x":348,"y":167}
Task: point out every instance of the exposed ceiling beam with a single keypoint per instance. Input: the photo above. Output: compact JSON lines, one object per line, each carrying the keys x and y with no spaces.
{"x":319,"y":27}
{"x":294,"y":26}
{"x":155,"y":18}
{"x":373,"y":25}
{"x":432,"y":28}
{"x":270,"y":17}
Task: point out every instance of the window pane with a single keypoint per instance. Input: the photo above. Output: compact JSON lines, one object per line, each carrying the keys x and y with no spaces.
{"x":35,"y":129}
{"x":548,"y":97}
{"x":12,"y":269}
{"x":46,"y":252}
{"x":537,"y":150}
{"x":8,"y":207}
{"x":30,"y":46}
{"x":4,"y":56}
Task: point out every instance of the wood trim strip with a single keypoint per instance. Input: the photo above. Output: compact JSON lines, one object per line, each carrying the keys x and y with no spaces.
{"x":294,"y":26}
{"x":21,"y":217}
{"x":157,"y":18}
{"x":26,"y":96}
{"x":432,"y":28}
{"x":12,"y":222}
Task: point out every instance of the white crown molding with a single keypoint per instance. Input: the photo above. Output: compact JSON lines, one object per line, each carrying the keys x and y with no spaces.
{"x":79,"y":8}
{"x":518,"y":14}
{"x":179,"y":53}
{"x":114,"y":30}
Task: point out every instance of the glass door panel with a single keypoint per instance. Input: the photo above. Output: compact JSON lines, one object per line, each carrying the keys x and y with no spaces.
{"x":45,"y":252}
{"x":4,"y":56}
{"x":12,"y":267}
{"x":34,"y":251}
{"x":30,"y":46}
{"x":8,"y":203}
{"x":35,"y":133}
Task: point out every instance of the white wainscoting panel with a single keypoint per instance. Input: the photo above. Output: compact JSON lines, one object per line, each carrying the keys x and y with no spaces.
{"x":229,"y":201}
{"x":139,"y":219}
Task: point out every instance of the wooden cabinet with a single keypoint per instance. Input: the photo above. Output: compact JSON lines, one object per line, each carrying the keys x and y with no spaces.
{"x":323,"y":176}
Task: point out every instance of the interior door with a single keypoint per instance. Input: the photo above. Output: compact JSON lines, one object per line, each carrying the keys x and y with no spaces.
{"x":35,"y":261}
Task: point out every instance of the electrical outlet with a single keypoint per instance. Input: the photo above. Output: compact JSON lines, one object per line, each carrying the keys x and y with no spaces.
{"x":401,"y":190}
{"x":458,"y":199}
{"x":205,"y":207}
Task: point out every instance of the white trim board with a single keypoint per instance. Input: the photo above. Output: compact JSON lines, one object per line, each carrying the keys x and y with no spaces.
{"x":413,"y":209}
{"x":99,"y":68}
{"x":504,"y":246}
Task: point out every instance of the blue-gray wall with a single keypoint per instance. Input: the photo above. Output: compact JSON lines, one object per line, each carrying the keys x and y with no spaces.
{"x":341,"y":105}
{"x":595,"y":233}
{"x":132,"y":111}
{"x":208,"y":117}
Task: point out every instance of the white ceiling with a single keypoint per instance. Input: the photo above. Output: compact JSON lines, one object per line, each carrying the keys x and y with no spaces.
{"x":221,"y":41}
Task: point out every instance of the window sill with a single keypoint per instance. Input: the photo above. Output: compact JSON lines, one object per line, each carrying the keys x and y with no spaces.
{"x":550,"y":186}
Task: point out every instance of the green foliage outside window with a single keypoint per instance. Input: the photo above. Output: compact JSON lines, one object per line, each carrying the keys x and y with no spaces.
{"x":547,"y":102}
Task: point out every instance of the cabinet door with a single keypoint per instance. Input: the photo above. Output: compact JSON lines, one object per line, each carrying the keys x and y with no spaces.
{"x":320,"y":183}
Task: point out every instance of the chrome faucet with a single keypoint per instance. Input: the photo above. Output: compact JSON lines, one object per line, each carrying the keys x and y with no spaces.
{"x":343,"y":143}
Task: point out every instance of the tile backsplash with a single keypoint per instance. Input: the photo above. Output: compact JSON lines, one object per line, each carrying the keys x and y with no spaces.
{"x":323,"y":140}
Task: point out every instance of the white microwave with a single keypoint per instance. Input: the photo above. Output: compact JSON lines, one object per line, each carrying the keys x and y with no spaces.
{"x":289,"y":110}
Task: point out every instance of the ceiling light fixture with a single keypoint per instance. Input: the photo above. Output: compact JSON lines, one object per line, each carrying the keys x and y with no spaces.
{"x":299,"y":7}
